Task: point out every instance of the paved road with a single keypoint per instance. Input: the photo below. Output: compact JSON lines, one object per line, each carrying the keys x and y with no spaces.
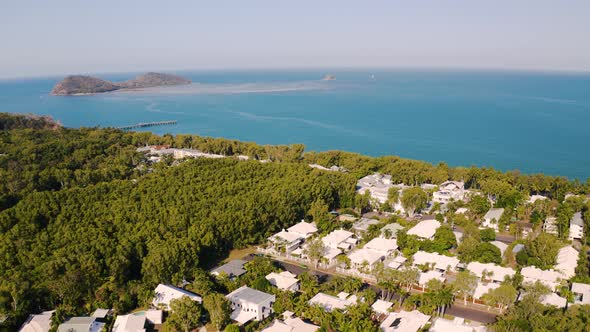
{"x":457,"y":310}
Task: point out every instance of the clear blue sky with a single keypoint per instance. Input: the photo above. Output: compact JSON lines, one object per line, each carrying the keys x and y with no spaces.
{"x":59,"y":36}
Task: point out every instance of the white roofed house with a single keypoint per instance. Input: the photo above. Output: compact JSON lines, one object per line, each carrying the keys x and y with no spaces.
{"x":81,"y":324}
{"x":449,"y":191}
{"x":166,"y":293}
{"x":386,"y":246}
{"x":38,"y":323}
{"x":284,"y":280}
{"x":286,"y":242}
{"x":378,"y":186}
{"x":500,"y":245}
{"x":250,"y":304}
{"x":490,"y":271}
{"x":305,"y":229}
{"x":363,"y":224}
{"x":404,"y":321}
{"x":567,"y":261}
{"x":362,"y":259}
{"x":137,"y":322}
{"x":391,"y":229}
{"x":576,"y":227}
{"x":290,"y":323}
{"x":340,"y":239}
{"x":425,"y":229}
{"x":581,"y":293}
{"x":550,"y":225}
{"x":550,"y":278}
{"x":492,"y":218}
{"x":437,"y":261}
{"x":425,"y":277}
{"x":483,"y":288}
{"x":329,"y":302}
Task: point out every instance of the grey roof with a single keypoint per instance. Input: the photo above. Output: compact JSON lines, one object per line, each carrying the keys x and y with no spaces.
{"x":364,"y":223}
{"x":249,"y":295}
{"x":76,"y":324}
{"x":577,"y":219}
{"x":233,"y":268}
{"x":394,"y":228}
{"x":517,"y":248}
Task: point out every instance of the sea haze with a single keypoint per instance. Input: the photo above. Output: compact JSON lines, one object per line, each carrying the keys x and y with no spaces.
{"x":534,"y":122}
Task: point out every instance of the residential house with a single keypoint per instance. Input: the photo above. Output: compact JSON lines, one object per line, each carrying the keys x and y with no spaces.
{"x":378,"y":186}
{"x":404,"y":321}
{"x":167,"y":293}
{"x":81,"y":324}
{"x":397,"y":262}
{"x":137,"y":322}
{"x":285,"y":241}
{"x":500,"y":245}
{"x":290,"y":323}
{"x":581,"y":293}
{"x":576,"y":227}
{"x":425,"y":229}
{"x":483,"y":288}
{"x":231,"y":269}
{"x":363,"y":225}
{"x":101,"y":314}
{"x":386,"y":246}
{"x":439,"y":262}
{"x":550,"y":299}
{"x":381,"y":307}
{"x":458,"y":324}
{"x":550,"y":225}
{"x":38,"y":323}
{"x":462,"y":211}
{"x":250,"y":304}
{"x":490,"y":271}
{"x":449,"y":191}
{"x":550,"y":278}
{"x":329,"y":302}
{"x":567,"y":261}
{"x":365,"y":258}
{"x":491,"y":218}
{"x":304,"y":229}
{"x":284,"y":280}
{"x":425,"y":277}
{"x":340,"y":239}
{"x":391,"y":229}
{"x":347,"y":217}
{"x":533,"y":198}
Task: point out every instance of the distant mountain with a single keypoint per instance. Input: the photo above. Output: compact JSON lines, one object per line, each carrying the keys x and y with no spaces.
{"x":10,"y":121}
{"x":81,"y":85}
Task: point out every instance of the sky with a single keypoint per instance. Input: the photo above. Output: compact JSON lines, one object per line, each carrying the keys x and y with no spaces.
{"x":40,"y":38}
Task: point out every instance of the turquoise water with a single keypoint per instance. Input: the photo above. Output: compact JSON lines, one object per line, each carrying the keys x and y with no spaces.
{"x":534,"y":122}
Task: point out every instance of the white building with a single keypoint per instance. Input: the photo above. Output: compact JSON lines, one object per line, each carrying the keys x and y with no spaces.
{"x":304,"y":229}
{"x":425,"y":229}
{"x":550,"y":299}
{"x":361,"y":257}
{"x":284,"y":280}
{"x":383,"y":245}
{"x":192,"y":153}
{"x":449,"y":191}
{"x":290,"y":323}
{"x":440,"y":262}
{"x":550,"y":278}
{"x":567,"y":261}
{"x":286,"y":241}
{"x":378,"y":186}
{"x":576,"y":227}
{"x":500,"y":245}
{"x":329,"y":302}
{"x":581,"y":293}
{"x":381,"y":307}
{"x":250,"y":304}
{"x":81,"y":324}
{"x":404,"y":321}
{"x":363,"y":224}
{"x":38,"y":323}
{"x":456,"y":325}
{"x":167,"y":293}
{"x":392,"y":228}
{"x":492,"y":271}
{"x":491,"y":218}
{"x":550,"y":225}
{"x":137,"y":322}
{"x":462,"y":210}
{"x":483,"y":288}
{"x":340,"y":239}
{"x":533,"y":198}
{"x":425,"y":277}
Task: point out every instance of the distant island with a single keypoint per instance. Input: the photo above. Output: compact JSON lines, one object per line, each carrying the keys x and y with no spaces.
{"x":329,"y":77}
{"x":84,"y":85}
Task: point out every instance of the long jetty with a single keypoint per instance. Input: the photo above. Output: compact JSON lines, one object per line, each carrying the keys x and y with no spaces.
{"x":148,"y":124}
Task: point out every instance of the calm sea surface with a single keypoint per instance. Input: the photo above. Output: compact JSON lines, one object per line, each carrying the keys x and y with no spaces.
{"x":535,"y":122}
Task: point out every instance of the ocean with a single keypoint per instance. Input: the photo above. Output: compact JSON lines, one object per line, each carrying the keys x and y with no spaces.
{"x":533,"y":122}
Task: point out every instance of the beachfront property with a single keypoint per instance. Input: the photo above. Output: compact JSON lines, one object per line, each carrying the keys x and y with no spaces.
{"x":491,"y":218}
{"x":550,"y":225}
{"x":391,"y":230}
{"x":290,"y":323}
{"x":250,"y":304}
{"x":490,"y":271}
{"x":581,"y":293}
{"x":458,"y":324}
{"x":567,"y":261}
{"x":449,"y":191}
{"x":137,"y":322}
{"x":332,"y":168}
{"x":38,"y":323}
{"x":378,"y":186}
{"x":550,"y":278}
{"x":436,"y":261}
{"x":192,"y":153}
{"x":425,"y":229}
{"x":81,"y":324}
{"x":329,"y":302}
{"x":404,"y":321}
{"x":285,"y":280}
{"x":231,"y":269}
{"x":159,"y":151}
{"x":576,"y":227}
{"x":166,"y":293}
{"x":363,"y":225}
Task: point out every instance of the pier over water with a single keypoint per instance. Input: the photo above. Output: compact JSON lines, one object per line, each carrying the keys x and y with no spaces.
{"x":148,"y":124}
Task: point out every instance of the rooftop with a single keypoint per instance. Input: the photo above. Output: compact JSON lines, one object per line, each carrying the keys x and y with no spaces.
{"x":382,"y":244}
{"x":567,"y":261}
{"x":283,"y":280}
{"x":336,"y":237}
{"x":364,"y":223}
{"x":250,"y":295}
{"x":404,"y":321}
{"x":365,"y":255}
{"x":483,"y":288}
{"x":441,"y":262}
{"x":498,"y":272}
{"x":577,"y":219}
{"x":329,"y":302}
{"x":303,"y":228}
{"x":494,"y":214}
{"x":381,"y":307}
{"x":425,"y":229}
{"x":231,"y":268}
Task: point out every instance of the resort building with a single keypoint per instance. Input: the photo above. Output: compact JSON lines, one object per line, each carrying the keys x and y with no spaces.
{"x":231,"y":269}
{"x":38,"y":323}
{"x":404,"y":321}
{"x":329,"y":302}
{"x":567,"y":261}
{"x":425,"y":229}
{"x":490,"y":271}
{"x":285,"y":281}
{"x":550,"y":278}
{"x":250,"y":304}
{"x":81,"y":324}
{"x":290,"y":323}
{"x":378,"y":186}
{"x":449,"y":191}
{"x":167,"y":293}
{"x":581,"y":293}
{"x":491,"y":218}
{"x":437,"y":261}
{"x":550,"y":225}
{"x":576,"y":227}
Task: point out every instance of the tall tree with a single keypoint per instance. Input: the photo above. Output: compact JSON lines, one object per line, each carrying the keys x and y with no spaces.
{"x":185,"y":314}
{"x":219,"y":309}
{"x":315,"y":251}
{"x":464,"y":284}
{"x":413,"y":199}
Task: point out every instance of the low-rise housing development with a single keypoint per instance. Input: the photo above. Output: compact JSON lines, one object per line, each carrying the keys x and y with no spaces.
{"x":290,"y":323}
{"x":363,"y":224}
{"x":404,"y":321}
{"x":567,"y":261}
{"x":378,"y":186}
{"x":284,"y":280}
{"x":137,"y":322}
{"x":490,"y":271}
{"x":483,"y":288}
{"x":231,"y":269}
{"x":381,"y":307}
{"x":576,"y":227}
{"x":166,"y":293}
{"x":581,"y":293}
{"x":491,"y":218}
{"x":340,"y":239}
{"x":81,"y":324}
{"x":391,"y":229}
{"x":369,"y":257}
{"x":550,"y":225}
{"x":329,"y":302}
{"x":550,"y":278}
{"x":38,"y":323}
{"x":439,"y":262}
{"x":250,"y":304}
{"x":425,"y":229}
{"x":425,"y":277}
{"x":386,"y":246}
{"x":449,"y":191}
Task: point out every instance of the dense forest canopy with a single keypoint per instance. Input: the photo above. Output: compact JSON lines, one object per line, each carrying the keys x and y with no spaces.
{"x":86,"y":221}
